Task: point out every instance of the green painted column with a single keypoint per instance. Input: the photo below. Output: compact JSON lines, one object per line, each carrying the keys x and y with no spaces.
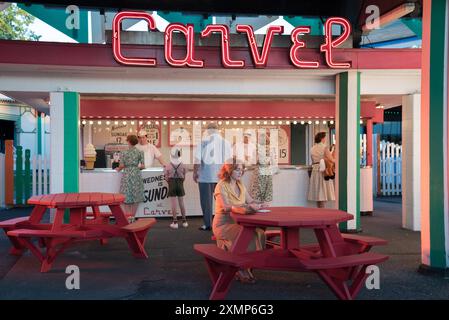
{"x":64,"y":152}
{"x":39,"y":132}
{"x":348,"y":147}
{"x":71,"y":142}
{"x":435,"y":137}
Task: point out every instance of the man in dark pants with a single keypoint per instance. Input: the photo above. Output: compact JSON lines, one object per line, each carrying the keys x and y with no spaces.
{"x":209,"y":158}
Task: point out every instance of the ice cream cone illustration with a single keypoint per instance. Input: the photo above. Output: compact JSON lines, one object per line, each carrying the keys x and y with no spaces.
{"x":90,"y":155}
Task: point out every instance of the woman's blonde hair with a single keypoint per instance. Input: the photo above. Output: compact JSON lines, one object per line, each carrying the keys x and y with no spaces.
{"x":227,"y":169}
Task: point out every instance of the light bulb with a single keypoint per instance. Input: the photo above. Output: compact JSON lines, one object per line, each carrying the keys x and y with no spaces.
{"x":124,"y":123}
{"x":331,"y":122}
{"x":108,"y":122}
{"x":141,"y":122}
{"x":91,"y":122}
{"x":83,"y":122}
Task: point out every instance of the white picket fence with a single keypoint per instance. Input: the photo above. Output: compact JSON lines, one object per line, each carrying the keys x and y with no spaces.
{"x":2,"y":180}
{"x":40,"y":170}
{"x":390,"y":168}
{"x":363,"y":149}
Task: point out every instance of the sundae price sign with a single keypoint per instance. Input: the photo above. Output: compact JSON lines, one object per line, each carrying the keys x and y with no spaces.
{"x":156,"y":202}
{"x":153,"y":133}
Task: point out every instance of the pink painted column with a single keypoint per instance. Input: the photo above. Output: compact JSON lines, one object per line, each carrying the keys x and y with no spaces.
{"x":369,"y":142}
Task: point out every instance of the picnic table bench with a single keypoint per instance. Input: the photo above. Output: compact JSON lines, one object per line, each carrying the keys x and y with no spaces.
{"x":362,"y":243}
{"x":55,"y":237}
{"x":340,"y":260}
{"x":222,"y":266}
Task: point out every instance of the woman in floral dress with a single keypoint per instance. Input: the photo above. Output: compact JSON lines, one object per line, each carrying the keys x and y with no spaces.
{"x":131,"y":162}
{"x":261,"y":183}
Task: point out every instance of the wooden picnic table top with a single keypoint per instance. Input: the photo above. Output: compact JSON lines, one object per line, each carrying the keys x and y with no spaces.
{"x":71,"y":200}
{"x":293,"y":217}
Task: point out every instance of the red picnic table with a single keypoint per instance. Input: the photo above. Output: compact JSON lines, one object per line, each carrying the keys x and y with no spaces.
{"x":55,"y":237}
{"x":338,"y":259}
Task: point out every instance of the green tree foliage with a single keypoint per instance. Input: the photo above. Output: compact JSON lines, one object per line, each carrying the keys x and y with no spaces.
{"x":14,"y":24}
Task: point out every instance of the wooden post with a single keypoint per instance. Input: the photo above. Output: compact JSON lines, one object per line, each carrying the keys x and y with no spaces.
{"x":27,"y":178}
{"x":9,"y":172}
{"x":378,"y":166}
{"x":369,"y":142}
{"x":19,"y":175}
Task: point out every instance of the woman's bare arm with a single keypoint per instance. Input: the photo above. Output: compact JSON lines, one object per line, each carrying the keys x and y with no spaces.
{"x":222,"y":201}
{"x":120,"y":167}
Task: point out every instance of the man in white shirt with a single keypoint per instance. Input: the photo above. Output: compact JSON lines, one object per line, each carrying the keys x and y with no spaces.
{"x":210,"y":156}
{"x":150,"y":152}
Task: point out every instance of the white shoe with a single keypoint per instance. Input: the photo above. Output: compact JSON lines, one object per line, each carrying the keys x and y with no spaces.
{"x":174,"y":225}
{"x":185,"y":224}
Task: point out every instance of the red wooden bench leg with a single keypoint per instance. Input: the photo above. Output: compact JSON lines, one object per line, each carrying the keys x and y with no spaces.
{"x":53,"y":252}
{"x":338,"y":287}
{"x":136,"y":246}
{"x":358,"y":282}
{"x":221,"y":277}
{"x":337,"y":281}
{"x":212,"y":268}
{"x":17,"y":249}
{"x":142,"y":235}
{"x":221,"y":286}
{"x":35,"y":251}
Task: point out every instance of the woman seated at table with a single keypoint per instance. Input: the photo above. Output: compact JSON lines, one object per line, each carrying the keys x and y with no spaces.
{"x":231,"y":192}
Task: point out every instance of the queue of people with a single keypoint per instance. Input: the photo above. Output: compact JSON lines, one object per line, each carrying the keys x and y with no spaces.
{"x":218,"y":174}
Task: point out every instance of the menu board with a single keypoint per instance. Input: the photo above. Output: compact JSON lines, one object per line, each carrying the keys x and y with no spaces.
{"x":181,"y":135}
{"x":190,"y":135}
{"x":103,"y":134}
{"x":153,"y":133}
{"x":106,"y":134}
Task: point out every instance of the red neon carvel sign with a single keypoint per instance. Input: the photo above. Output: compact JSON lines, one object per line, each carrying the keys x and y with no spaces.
{"x":259,"y":58}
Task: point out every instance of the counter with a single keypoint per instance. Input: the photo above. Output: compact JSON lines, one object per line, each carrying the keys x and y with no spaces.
{"x":289,"y":189}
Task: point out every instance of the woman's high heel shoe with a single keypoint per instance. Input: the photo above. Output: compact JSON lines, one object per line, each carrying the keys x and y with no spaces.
{"x":239,"y":276}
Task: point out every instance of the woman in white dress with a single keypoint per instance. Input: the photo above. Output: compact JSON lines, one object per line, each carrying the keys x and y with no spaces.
{"x":320,"y":190}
